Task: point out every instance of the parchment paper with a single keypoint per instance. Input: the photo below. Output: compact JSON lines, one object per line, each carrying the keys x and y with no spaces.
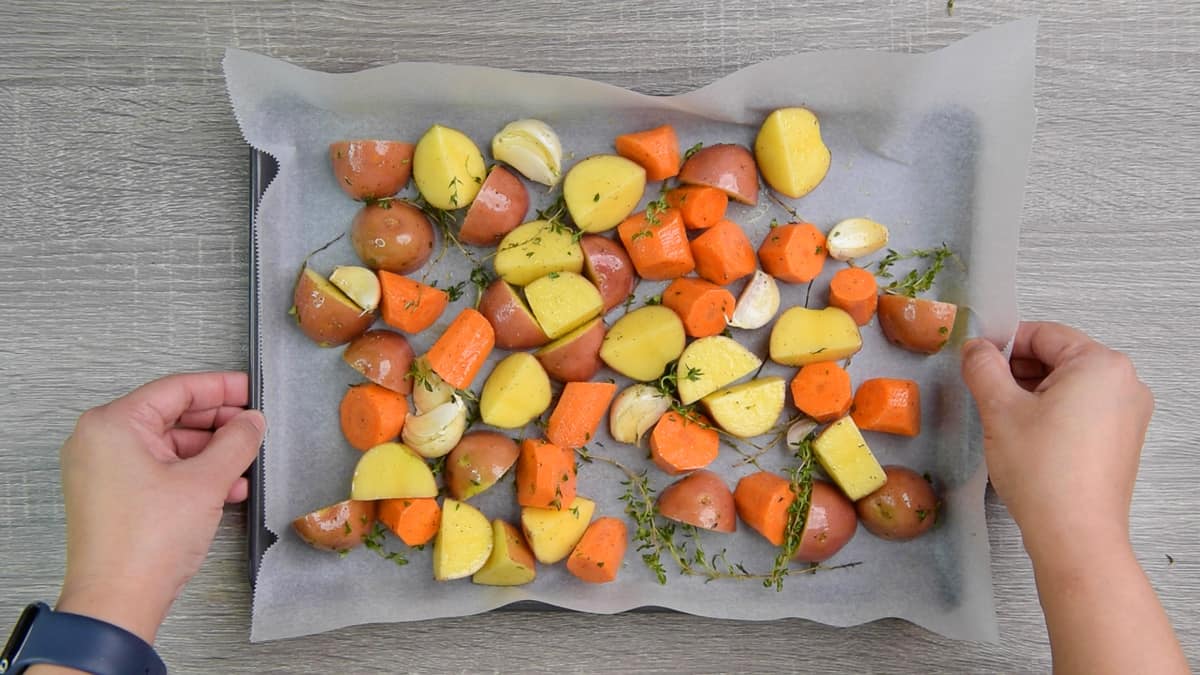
{"x":933,"y":145}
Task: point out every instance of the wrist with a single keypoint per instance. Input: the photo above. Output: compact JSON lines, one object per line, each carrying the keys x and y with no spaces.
{"x":126,"y":605}
{"x":1073,"y":548}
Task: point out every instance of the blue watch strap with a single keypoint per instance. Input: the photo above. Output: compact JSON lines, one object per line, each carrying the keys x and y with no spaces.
{"x":83,"y":643}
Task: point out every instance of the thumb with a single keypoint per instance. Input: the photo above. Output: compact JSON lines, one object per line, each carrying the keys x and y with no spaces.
{"x":989,"y":378}
{"x":231,"y":451}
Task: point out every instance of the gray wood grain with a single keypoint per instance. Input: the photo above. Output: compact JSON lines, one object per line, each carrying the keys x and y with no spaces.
{"x":123,"y":212}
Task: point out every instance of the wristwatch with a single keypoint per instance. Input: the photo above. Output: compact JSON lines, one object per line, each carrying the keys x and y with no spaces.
{"x":44,"y":636}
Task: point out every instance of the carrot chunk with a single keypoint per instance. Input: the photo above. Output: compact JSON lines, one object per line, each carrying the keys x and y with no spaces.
{"x":371,"y":414}
{"x":598,"y":555}
{"x":794,"y":253}
{"x":545,"y":475}
{"x":701,"y":206}
{"x":703,"y":306}
{"x":414,"y":520}
{"x":656,"y":150}
{"x":657,"y":244}
{"x":723,"y":253}
{"x":855,"y":290}
{"x":578,"y":413}
{"x":762,"y":501}
{"x":680,"y":444}
{"x":461,"y":351}
{"x":822,"y":391}
{"x":409,"y":305}
{"x":888,"y":405}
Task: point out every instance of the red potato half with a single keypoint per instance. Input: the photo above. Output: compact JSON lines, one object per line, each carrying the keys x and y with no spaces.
{"x":371,"y":169}
{"x":574,"y":357}
{"x":392,"y":235}
{"x":916,"y":324}
{"x":337,"y":527}
{"x":383,"y":357}
{"x":729,"y":168}
{"x":498,"y":209}
{"x":904,"y":508}
{"x":831,"y":524}
{"x":479,"y":460}
{"x":607,"y":265}
{"x":701,"y":499}
{"x":511,"y":320}
{"x":324,"y":313}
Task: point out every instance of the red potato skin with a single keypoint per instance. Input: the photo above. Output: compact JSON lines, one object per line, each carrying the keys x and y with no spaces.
{"x":392,"y":235}
{"x":701,"y":499}
{"x":916,"y":324}
{"x":518,"y":549}
{"x":903,"y":509}
{"x":577,"y":360}
{"x":479,"y":460}
{"x":831,"y":524}
{"x":371,"y":169}
{"x":337,"y":527}
{"x":511,"y":320}
{"x":324,"y":314}
{"x":729,"y":168}
{"x":383,"y":357}
{"x":499,"y":208}
{"x":607,"y":265}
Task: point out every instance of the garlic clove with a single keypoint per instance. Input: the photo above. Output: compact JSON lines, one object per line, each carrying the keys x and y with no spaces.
{"x":798,"y":431}
{"x":435,"y":433}
{"x":757,"y":304}
{"x":854,"y":238}
{"x":634,"y":411}
{"x":531,"y":147}
{"x":429,"y":390}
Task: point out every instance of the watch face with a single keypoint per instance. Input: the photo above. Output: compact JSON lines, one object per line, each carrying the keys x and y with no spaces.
{"x":18,"y":636}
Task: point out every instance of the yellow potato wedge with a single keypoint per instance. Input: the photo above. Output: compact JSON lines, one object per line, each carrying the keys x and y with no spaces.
{"x":463,"y":543}
{"x":392,"y":471}
{"x":511,"y":562}
{"x":552,"y":533}
{"x":710,"y":363}
{"x":517,"y":391}
{"x":790,"y":153}
{"x":602,"y":190}
{"x":448,"y":168}
{"x":536,"y":249}
{"x":844,"y":455}
{"x":748,"y":409}
{"x":562,"y":302}
{"x":641,"y":343}
{"x":802,"y":336}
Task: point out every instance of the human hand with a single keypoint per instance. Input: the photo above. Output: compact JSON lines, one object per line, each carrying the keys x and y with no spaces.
{"x":144,"y":479}
{"x":1063,"y":427}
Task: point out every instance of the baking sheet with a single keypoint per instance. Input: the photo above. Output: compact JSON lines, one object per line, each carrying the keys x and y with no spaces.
{"x":933,"y":145}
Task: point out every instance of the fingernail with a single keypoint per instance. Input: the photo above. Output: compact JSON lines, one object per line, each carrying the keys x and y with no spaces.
{"x":256,"y":419}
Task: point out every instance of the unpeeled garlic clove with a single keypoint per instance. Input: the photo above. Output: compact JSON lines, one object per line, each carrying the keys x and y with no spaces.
{"x":634,"y":411}
{"x":429,"y":390}
{"x":798,"y":431}
{"x":758,"y":302}
{"x":855,"y":237}
{"x":531,"y":147}
{"x":435,"y":433}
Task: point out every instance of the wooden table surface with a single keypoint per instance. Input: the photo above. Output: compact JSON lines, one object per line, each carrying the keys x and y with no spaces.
{"x":123,"y":257}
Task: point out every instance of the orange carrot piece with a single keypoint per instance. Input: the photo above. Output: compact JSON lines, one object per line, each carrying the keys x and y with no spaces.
{"x":598,"y":555}
{"x":371,"y":414}
{"x":701,"y":206}
{"x":855,"y":290}
{"x":822,"y":391}
{"x":703,"y":306}
{"x":414,"y":520}
{"x":762,"y":501}
{"x":461,"y":351}
{"x":578,"y":412}
{"x":680,"y":444}
{"x":794,"y":252}
{"x":545,"y":475}
{"x":657,"y":150}
{"x":409,"y":305}
{"x":723,"y":253}
{"x":888,"y":405}
{"x":658,"y":245}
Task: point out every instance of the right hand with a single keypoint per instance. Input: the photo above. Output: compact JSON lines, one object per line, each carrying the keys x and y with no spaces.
{"x":1063,"y":427}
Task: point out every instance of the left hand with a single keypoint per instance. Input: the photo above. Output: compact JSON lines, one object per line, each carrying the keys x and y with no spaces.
{"x":144,"y":479}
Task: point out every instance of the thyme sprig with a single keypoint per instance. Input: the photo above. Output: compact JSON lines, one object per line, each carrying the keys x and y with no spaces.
{"x":800,"y":478}
{"x":917,"y":280}
{"x":374,"y":541}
